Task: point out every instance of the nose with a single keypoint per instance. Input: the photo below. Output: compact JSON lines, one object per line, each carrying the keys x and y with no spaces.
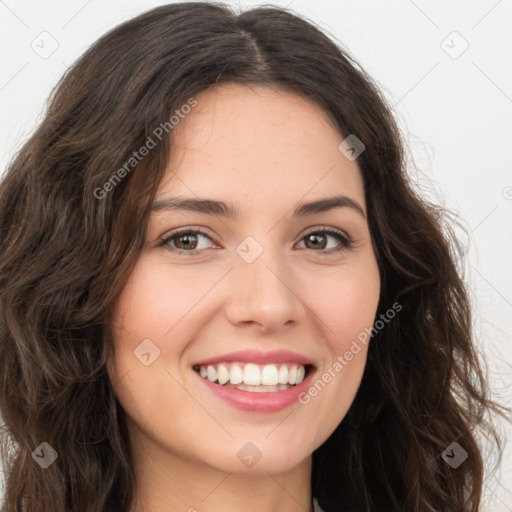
{"x":261,"y":293}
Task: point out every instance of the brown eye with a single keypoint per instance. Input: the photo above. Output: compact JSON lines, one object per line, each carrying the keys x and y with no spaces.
{"x":186,"y":241}
{"x":318,"y":240}
{"x":189,"y":241}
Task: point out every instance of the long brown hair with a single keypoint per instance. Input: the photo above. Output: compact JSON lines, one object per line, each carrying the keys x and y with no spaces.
{"x":68,"y":242}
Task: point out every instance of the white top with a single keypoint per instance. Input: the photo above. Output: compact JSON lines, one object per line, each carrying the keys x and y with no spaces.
{"x":316,"y":506}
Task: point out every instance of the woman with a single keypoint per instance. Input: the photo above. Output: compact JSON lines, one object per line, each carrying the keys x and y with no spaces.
{"x":220,"y":292}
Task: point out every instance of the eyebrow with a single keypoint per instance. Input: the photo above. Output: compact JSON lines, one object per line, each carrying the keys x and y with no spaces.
{"x":213,"y":207}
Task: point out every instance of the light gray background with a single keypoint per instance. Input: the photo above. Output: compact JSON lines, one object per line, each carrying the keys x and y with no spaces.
{"x":453,"y":104}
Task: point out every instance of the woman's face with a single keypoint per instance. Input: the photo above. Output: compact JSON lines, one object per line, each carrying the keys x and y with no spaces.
{"x":264,"y":295}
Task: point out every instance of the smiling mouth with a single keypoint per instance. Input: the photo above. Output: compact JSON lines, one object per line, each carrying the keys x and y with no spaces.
{"x":262,"y":378}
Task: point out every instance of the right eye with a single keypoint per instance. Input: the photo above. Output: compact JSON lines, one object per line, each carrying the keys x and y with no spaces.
{"x":185,"y":241}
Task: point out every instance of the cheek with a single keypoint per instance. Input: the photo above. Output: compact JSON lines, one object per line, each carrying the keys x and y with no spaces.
{"x":159,"y":304}
{"x":153,"y":322}
{"x":346,"y":305}
{"x":155,"y":298}
{"x":145,"y":311}
{"x":346,"y":301}
{"x":149,"y":339}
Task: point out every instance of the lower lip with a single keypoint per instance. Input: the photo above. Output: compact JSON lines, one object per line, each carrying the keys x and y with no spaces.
{"x":273,"y":401}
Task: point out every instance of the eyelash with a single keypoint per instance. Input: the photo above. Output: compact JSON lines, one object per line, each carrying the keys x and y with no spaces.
{"x":345,"y":241}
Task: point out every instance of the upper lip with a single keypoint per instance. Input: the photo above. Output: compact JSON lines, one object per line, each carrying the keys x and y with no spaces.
{"x":258,"y":357}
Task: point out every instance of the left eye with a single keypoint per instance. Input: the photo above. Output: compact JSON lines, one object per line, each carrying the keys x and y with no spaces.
{"x":188,"y":241}
{"x":319,"y":238}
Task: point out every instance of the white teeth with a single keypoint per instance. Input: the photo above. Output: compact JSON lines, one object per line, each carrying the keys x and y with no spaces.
{"x":292,"y":375}
{"x":249,"y":374}
{"x":222,"y":374}
{"x":262,"y":389}
{"x":236,"y":375}
{"x":269,"y":375}
{"x":211,"y":373}
{"x":283,"y":375}
{"x":301,"y":371}
{"x":252,"y":374}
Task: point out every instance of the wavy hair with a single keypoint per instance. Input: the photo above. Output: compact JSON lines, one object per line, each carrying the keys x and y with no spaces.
{"x":66,"y":252}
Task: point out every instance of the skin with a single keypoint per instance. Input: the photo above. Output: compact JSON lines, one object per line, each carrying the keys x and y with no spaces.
{"x":264,"y":150}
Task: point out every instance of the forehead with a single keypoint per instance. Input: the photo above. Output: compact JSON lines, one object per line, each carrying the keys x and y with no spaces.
{"x":259,"y":143}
